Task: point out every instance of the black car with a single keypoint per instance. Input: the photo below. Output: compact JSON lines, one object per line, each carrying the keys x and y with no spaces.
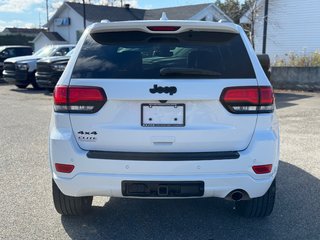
{"x":13,"y":51}
{"x":50,"y":69}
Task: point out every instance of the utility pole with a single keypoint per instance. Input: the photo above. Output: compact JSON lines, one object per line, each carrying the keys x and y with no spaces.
{"x":84,"y":14}
{"x":39,"y":20}
{"x":47,"y":9}
{"x":121,"y":3}
{"x":265,"y":26}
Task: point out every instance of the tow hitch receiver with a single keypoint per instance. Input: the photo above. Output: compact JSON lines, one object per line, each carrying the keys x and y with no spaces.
{"x":162,"y":189}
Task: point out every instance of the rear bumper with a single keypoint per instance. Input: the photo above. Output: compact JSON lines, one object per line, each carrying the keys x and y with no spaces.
{"x":215,"y":185}
{"x":103,"y":177}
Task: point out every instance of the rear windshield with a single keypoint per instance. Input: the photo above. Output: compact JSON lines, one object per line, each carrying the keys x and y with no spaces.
{"x":45,"y":51}
{"x":135,"y":54}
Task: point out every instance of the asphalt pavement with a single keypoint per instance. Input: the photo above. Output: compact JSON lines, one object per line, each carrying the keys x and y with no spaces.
{"x":27,"y":210}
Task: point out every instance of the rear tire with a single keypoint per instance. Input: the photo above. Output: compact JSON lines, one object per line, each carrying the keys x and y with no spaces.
{"x":33,"y":81}
{"x":35,"y":85}
{"x":50,"y":90}
{"x":70,"y":206}
{"x":258,"y":207}
{"x":22,"y":85}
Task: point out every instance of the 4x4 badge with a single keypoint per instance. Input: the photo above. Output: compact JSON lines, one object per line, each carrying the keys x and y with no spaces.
{"x":87,"y":136}
{"x":171,"y":90}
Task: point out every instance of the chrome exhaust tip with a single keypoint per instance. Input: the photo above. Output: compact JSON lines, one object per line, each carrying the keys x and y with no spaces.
{"x":236,"y":195}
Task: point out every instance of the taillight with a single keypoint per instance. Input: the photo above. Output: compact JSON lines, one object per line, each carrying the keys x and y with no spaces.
{"x":262,"y":169}
{"x":248,"y":99}
{"x":163,"y":28}
{"x":78,"y":99}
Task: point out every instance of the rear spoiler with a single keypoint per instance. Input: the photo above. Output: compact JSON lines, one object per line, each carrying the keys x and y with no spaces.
{"x":145,"y":26}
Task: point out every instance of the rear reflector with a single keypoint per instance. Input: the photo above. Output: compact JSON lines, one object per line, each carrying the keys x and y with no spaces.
{"x":248,"y":99}
{"x":78,"y":99}
{"x":64,"y":168}
{"x":262,"y":169}
{"x":163,"y":28}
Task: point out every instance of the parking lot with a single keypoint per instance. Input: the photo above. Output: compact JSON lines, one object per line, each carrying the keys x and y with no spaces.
{"x":28,"y":212}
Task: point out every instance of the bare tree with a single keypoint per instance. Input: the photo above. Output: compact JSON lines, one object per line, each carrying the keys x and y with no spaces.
{"x":231,"y":7}
{"x":251,"y":10}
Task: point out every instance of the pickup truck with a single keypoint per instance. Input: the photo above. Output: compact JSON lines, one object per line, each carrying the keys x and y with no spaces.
{"x":13,"y":51}
{"x":50,"y":69}
{"x":21,"y":70}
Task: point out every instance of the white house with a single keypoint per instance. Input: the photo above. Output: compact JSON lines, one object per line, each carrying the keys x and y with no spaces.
{"x":292,"y":26}
{"x":43,"y":38}
{"x":67,"y":24}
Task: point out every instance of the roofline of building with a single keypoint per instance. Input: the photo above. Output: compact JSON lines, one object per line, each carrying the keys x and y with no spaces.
{"x":212,"y":5}
{"x":39,"y":34}
{"x":66,"y":4}
{"x":59,"y":10}
{"x":36,"y":38}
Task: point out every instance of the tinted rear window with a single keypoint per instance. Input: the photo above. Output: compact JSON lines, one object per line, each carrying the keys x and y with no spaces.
{"x":136,"y":54}
{"x":23,"y":51}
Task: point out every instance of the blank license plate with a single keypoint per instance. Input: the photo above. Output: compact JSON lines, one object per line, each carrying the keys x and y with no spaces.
{"x":162,"y":115}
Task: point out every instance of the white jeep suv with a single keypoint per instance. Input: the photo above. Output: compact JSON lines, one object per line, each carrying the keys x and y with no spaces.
{"x":164,"y":109}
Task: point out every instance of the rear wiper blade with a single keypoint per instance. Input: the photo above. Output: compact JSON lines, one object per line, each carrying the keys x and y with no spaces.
{"x":187,"y":71}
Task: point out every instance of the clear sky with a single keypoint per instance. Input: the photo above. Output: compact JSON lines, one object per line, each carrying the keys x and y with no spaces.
{"x":31,"y":13}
